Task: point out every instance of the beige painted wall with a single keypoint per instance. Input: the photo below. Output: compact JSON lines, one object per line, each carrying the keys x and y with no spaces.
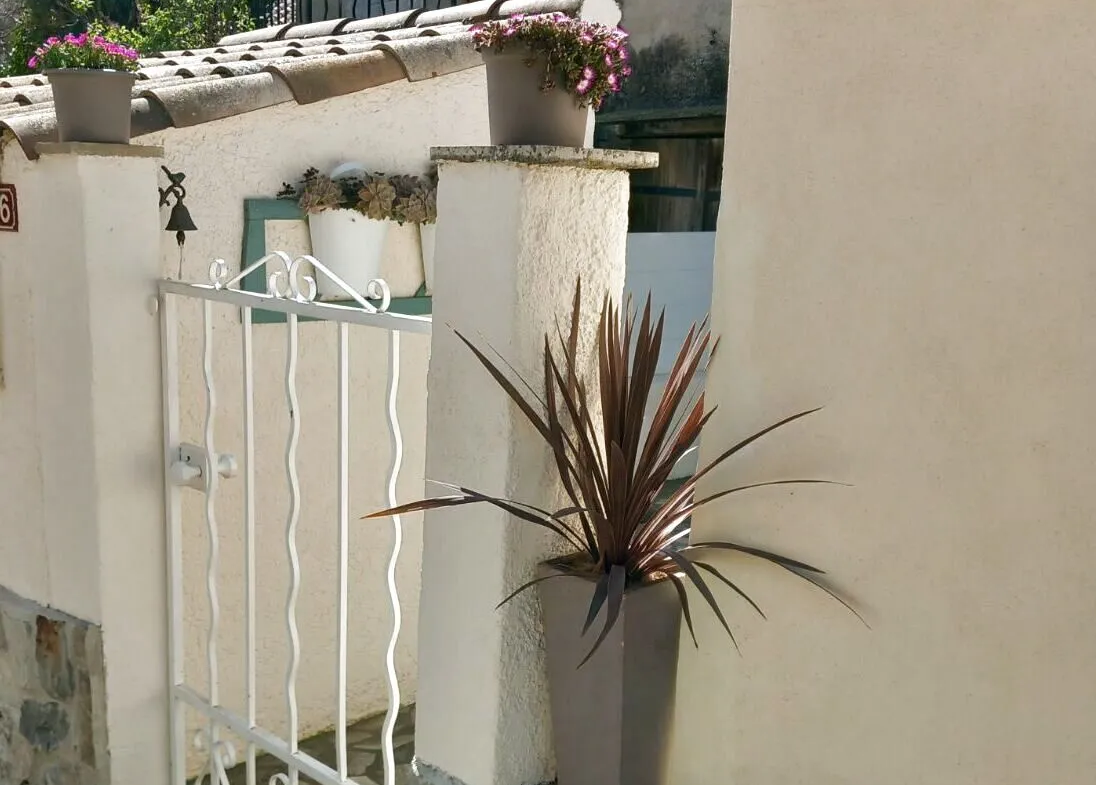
{"x":24,"y":566}
{"x":907,"y":237}
{"x":86,"y":527}
{"x":387,"y":128}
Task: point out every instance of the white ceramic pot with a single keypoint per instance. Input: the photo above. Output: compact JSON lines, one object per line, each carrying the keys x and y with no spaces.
{"x":349,"y":245}
{"x":427,"y":237}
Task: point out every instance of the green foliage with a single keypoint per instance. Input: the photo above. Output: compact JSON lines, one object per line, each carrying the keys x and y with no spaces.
{"x":144,"y":25}
{"x":188,"y":24}
{"x":39,"y":20}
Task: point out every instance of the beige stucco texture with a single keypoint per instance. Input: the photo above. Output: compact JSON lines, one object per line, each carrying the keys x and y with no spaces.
{"x":906,"y":237}
{"x":515,"y":239}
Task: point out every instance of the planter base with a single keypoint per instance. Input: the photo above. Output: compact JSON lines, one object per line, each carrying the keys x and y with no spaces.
{"x":91,"y":105}
{"x":521,"y":113}
{"x":612,"y":718}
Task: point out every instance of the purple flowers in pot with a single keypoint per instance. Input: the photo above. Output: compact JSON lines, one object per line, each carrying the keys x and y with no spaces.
{"x":83,"y":51}
{"x":587,"y":59}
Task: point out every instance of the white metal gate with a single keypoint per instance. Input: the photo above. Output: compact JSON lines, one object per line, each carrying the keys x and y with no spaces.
{"x":291,"y":290}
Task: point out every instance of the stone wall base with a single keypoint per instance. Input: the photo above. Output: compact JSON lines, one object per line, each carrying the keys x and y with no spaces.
{"x":52,"y":697}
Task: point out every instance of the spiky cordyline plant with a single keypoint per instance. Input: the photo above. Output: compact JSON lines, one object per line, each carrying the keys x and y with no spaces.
{"x":613,"y":469}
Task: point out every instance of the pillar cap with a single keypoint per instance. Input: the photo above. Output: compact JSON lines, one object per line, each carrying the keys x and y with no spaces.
{"x":100,"y":150}
{"x":543,"y":155}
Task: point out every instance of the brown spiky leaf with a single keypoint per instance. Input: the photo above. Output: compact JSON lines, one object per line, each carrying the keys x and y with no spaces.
{"x":613,"y":461}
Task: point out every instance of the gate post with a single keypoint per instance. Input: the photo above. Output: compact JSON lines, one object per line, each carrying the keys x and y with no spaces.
{"x":517,"y":226}
{"x":90,"y":213}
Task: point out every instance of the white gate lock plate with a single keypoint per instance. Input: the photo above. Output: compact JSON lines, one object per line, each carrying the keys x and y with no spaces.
{"x":190,"y":469}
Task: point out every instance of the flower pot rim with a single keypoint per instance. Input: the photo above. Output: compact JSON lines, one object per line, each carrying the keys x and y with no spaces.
{"x":552,"y":565}
{"x":88,"y":71}
{"x":348,"y":210}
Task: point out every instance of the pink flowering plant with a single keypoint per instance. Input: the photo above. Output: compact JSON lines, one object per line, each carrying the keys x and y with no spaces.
{"x":588,"y":59}
{"x":83,"y":51}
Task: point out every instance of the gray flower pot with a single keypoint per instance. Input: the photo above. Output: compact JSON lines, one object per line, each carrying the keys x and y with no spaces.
{"x":523,"y":114}
{"x":91,"y":105}
{"x":612,"y":718}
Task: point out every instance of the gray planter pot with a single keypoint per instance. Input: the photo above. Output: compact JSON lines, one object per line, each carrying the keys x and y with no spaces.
{"x":92,"y":105}
{"x":523,"y":114}
{"x":612,"y":718}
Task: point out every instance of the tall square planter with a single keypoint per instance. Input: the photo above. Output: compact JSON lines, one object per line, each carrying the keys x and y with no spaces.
{"x":611,"y":718}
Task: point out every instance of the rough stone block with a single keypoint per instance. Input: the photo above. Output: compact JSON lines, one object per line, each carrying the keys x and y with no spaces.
{"x":45,"y":725}
{"x":52,"y":712}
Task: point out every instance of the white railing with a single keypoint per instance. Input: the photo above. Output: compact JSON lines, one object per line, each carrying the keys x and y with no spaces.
{"x":291,"y":289}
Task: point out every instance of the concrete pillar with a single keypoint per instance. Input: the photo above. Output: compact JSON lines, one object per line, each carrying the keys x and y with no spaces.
{"x":518,"y":226}
{"x":90,"y":214}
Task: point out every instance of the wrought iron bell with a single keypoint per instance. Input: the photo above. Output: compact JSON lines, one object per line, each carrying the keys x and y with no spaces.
{"x":180,"y":221}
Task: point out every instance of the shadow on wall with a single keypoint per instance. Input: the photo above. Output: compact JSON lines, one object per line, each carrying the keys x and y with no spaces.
{"x":676,"y":74}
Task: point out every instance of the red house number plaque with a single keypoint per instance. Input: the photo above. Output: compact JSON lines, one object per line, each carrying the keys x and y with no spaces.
{"x":9,"y":209}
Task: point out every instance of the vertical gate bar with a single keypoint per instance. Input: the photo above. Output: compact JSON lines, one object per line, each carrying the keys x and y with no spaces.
{"x":249,"y":522}
{"x":210,"y":469}
{"x":169,"y":370}
{"x":397,"y":543}
{"x":344,"y":539}
{"x":291,"y":536}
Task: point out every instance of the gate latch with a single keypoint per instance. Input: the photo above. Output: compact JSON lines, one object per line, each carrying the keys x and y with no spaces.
{"x":190,"y":469}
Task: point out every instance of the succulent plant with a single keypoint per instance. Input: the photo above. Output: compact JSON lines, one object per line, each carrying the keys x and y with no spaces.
{"x":319,"y":194}
{"x":315,"y":193}
{"x":377,"y":198}
{"x":403,"y":198}
{"x":418,"y":199}
{"x":412,"y":208}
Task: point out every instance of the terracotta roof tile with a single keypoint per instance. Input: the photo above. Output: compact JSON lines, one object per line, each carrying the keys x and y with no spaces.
{"x":275,"y":54}
{"x":240,"y":68}
{"x":533,"y":7}
{"x":253,"y":36}
{"x":203,"y":100}
{"x":386,"y":22}
{"x":17,"y":95}
{"x":316,"y":29}
{"x":467,"y":13}
{"x":22,"y":81}
{"x":191,"y":71}
{"x":316,"y":78}
{"x":148,"y":117}
{"x":427,"y":57}
{"x":261,"y":68}
{"x":353,"y":49}
{"x":14,"y":109}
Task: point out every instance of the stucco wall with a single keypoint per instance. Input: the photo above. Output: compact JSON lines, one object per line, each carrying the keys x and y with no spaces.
{"x":388,"y":128}
{"x":906,"y":238}
{"x":23,"y":555}
{"x":89,"y":437}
